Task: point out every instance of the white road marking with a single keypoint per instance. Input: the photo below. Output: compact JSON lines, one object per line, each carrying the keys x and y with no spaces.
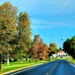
{"x":52,"y":68}
{"x":71,"y":64}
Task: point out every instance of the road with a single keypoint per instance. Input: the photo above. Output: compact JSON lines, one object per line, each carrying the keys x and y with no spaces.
{"x":59,"y":67}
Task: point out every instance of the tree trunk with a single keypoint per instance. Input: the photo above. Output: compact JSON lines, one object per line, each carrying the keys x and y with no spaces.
{"x":3,"y":61}
{"x":8,"y":57}
{"x":36,"y":60}
{"x":0,"y":62}
{"x":29,"y":60}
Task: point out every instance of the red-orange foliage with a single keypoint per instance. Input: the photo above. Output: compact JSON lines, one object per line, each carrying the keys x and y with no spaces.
{"x":39,"y":50}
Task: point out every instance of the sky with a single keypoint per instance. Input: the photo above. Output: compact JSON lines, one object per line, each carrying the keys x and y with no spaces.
{"x":53,"y":20}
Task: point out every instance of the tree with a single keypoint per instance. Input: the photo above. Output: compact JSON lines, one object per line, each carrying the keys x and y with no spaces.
{"x":15,"y":32}
{"x":7,"y":27}
{"x":69,"y":46}
{"x":24,"y":34}
{"x":14,"y":45}
{"x":33,"y":51}
{"x":43,"y":51}
{"x":38,"y":50}
{"x":52,"y":49}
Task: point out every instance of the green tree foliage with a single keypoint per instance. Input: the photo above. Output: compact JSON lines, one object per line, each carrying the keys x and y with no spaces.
{"x":52,"y":48}
{"x":7,"y":26}
{"x":15,"y":32}
{"x":69,"y":46}
{"x":24,"y":34}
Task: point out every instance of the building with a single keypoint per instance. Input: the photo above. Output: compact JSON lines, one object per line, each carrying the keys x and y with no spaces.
{"x":61,"y":54}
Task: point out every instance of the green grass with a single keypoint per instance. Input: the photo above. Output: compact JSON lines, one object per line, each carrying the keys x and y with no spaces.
{"x":18,"y":65}
{"x":15,"y":67}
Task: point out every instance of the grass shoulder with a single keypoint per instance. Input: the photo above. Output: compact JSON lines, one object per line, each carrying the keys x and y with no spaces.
{"x":14,"y":66}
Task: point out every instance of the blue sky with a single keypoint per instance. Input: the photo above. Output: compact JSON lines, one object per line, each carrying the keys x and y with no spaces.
{"x":49,"y":18}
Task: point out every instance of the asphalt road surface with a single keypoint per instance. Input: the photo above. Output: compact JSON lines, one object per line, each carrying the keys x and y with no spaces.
{"x":59,"y":67}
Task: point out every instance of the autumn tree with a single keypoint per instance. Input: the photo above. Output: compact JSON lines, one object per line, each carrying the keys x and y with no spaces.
{"x":24,"y":34}
{"x":39,"y":50}
{"x":43,"y":52}
{"x":33,"y":51}
{"x":7,"y":27}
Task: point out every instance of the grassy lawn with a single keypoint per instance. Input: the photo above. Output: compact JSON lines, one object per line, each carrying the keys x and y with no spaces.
{"x":18,"y":65}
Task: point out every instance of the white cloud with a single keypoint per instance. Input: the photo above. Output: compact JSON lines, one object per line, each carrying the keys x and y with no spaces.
{"x":47,"y":8}
{"x":42,"y":24}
